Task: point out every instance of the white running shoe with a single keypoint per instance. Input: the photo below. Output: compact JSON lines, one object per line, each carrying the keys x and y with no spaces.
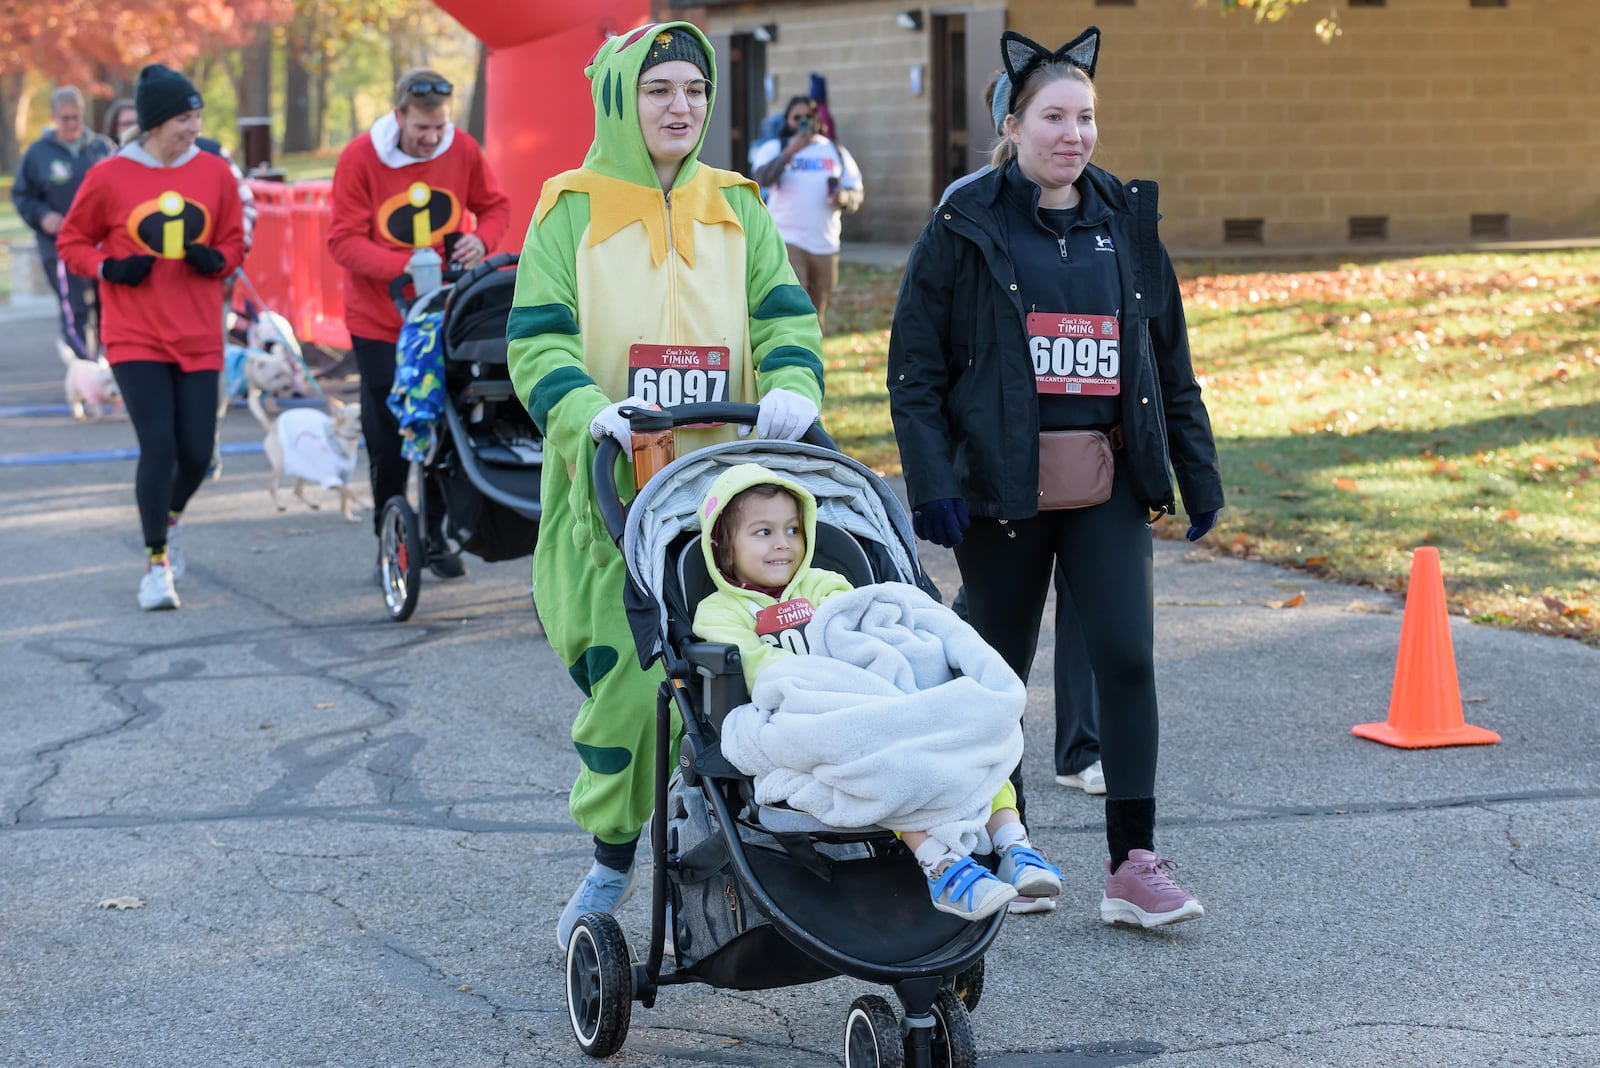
{"x":156,"y":590}
{"x":1091,"y":780}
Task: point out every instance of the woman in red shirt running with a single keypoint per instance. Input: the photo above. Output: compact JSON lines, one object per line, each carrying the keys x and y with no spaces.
{"x":161,"y":223}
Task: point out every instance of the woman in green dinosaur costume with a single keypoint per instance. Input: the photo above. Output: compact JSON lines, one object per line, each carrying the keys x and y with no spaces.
{"x":646,"y":277}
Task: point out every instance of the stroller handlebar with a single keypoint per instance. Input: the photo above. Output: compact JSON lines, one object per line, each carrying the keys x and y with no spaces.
{"x":458,"y":277}
{"x":644,"y":420}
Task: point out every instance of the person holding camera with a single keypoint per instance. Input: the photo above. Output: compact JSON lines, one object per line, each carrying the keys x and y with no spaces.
{"x":810,"y":182}
{"x":412,"y":180}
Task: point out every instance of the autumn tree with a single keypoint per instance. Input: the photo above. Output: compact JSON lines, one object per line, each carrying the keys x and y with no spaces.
{"x":98,"y":44}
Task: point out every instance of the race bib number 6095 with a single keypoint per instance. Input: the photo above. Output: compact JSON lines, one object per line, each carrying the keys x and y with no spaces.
{"x":1076,"y":354}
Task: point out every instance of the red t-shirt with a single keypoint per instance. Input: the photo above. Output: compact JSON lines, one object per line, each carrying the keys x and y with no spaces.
{"x":126,"y":208}
{"x":381,"y":214}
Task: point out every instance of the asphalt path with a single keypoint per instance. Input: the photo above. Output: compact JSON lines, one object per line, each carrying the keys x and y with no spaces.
{"x":275,"y":829}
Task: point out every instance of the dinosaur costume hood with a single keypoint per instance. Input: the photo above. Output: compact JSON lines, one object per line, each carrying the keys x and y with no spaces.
{"x":618,"y":150}
{"x":618,"y":173}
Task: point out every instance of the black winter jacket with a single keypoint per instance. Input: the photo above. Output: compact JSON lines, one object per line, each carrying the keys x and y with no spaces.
{"x":49,"y":175}
{"x":961,"y":381}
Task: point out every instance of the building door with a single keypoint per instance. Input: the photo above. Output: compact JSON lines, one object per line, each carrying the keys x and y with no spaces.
{"x":965,"y":54}
{"x":741,"y":99}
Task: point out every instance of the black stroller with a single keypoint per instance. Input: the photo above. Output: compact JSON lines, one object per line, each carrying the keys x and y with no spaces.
{"x":484,"y":463}
{"x":763,"y":897}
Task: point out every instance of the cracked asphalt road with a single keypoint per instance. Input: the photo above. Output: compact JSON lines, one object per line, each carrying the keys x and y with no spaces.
{"x":351,"y":842}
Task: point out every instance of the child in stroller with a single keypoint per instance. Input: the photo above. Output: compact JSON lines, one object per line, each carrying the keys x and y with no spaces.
{"x":757,"y":537}
{"x":758,"y":896}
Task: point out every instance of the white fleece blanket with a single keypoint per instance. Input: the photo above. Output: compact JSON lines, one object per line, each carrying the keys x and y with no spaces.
{"x":900,"y":717}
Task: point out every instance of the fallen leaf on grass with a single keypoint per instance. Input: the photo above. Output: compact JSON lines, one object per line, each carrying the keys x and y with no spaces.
{"x":1344,"y":484}
{"x":1315,"y":561}
{"x":122,"y":903}
{"x":1507,"y":515}
{"x":1293,"y":602}
{"x":1293,"y":495}
{"x":1558,"y":607}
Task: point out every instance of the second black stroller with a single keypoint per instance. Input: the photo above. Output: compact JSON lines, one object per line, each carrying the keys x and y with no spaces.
{"x":484,"y":461}
{"x":763,"y":897}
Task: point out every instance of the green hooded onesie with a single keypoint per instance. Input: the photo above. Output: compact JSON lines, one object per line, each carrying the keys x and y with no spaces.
{"x":617,"y":279}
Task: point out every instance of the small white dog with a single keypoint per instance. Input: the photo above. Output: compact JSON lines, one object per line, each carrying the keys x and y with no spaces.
{"x":91,"y":388}
{"x":309,"y":445}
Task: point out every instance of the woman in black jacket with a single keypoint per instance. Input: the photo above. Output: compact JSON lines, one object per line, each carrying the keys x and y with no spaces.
{"x":1039,"y":300}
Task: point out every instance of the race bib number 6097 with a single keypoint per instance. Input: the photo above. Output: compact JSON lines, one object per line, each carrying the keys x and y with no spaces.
{"x":670,"y":375}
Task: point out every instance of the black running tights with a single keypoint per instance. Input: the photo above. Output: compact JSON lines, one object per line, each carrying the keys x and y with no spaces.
{"x":174,"y":416}
{"x":1105,"y":553}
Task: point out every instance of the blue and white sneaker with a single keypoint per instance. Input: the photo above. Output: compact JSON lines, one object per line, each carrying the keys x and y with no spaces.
{"x":1025,"y":868}
{"x":963,"y":887}
{"x":602,"y":890}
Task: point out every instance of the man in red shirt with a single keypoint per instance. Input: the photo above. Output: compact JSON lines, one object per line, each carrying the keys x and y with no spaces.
{"x":410,"y":180}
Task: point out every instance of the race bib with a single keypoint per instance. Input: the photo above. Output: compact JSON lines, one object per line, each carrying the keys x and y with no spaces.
{"x":782,"y":625}
{"x":1076,"y":354}
{"x":670,"y":375}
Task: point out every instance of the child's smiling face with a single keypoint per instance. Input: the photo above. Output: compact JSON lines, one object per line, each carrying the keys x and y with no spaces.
{"x":768,"y":540}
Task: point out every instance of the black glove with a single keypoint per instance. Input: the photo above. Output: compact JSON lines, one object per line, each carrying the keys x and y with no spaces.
{"x":941,"y":521}
{"x":1200,"y":524}
{"x":204,"y":259}
{"x":127,"y":270}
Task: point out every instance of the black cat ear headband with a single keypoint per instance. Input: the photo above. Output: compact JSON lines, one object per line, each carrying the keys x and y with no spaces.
{"x":1022,"y":55}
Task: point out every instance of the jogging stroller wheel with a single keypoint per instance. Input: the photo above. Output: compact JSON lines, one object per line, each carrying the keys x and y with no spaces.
{"x":953,"y":1044}
{"x":401,"y":555}
{"x":968,"y":985}
{"x":599,"y":984}
{"x":872,"y":1037}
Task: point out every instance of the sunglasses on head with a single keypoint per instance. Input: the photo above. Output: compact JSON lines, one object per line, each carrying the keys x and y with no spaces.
{"x":443,"y":88}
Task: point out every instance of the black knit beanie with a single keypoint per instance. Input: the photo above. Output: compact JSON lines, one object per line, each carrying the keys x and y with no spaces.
{"x":161,"y":94}
{"x":676,"y":44}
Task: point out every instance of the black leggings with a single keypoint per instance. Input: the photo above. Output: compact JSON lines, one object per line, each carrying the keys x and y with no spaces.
{"x":1105,"y":553}
{"x":174,"y":416}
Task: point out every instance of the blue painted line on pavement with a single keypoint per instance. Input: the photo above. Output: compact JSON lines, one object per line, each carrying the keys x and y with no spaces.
{"x":95,"y":456}
{"x":13,"y":411}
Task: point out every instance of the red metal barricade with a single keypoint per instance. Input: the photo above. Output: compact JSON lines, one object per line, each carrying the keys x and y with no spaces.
{"x":272,"y":250}
{"x":289,"y":262}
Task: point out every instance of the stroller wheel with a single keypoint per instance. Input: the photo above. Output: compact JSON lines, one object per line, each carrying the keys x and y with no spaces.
{"x":599,"y":984}
{"x":968,"y":985}
{"x":953,"y":1044}
{"x":872,"y":1036}
{"x":401,"y":555}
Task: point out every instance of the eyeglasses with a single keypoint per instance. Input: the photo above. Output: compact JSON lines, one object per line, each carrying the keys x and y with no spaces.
{"x":660,"y":92}
{"x":443,"y":88}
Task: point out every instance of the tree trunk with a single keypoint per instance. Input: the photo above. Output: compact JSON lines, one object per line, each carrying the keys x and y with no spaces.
{"x":319,"y":117}
{"x":475,"y":111}
{"x":297,"y":136}
{"x":254,"y":86}
{"x":11,"y":114}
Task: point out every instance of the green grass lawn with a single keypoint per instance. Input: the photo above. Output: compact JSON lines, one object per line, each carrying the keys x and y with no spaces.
{"x":1363,"y":410}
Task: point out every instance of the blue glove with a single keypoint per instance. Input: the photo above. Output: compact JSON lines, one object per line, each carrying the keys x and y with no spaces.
{"x":941,"y":521}
{"x":1200,"y":524}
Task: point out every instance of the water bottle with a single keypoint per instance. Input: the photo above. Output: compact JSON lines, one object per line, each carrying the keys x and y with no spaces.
{"x":427,"y":271}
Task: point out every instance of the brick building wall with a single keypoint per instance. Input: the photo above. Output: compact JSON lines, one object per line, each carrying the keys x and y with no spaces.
{"x":1428,"y":122}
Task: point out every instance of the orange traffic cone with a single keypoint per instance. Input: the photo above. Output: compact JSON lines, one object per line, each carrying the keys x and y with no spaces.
{"x":1425,"y":708}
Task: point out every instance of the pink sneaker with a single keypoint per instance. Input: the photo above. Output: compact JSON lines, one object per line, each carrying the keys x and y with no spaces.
{"x":1141,"y":893}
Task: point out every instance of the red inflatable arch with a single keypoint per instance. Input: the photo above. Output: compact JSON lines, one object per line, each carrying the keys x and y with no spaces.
{"x":538,"y":115}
